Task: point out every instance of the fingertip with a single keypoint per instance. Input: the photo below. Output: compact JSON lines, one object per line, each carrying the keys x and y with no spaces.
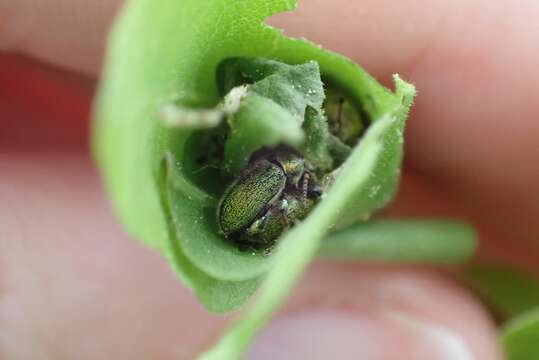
{"x":375,"y":312}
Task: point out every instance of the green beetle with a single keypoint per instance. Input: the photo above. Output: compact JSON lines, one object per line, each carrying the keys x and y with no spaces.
{"x":275,"y":191}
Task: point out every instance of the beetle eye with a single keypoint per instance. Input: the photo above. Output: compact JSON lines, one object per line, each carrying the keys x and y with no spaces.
{"x":289,"y":168}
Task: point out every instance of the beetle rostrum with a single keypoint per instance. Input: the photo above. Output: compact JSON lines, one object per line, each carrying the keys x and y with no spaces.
{"x":275,"y":191}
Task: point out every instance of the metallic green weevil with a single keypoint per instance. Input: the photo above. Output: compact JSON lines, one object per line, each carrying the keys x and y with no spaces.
{"x":276,"y":190}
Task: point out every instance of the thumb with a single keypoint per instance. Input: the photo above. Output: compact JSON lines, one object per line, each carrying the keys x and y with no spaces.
{"x":73,"y":286}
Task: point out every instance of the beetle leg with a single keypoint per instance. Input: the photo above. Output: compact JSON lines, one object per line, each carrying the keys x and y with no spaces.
{"x":305,"y":184}
{"x":309,"y":188}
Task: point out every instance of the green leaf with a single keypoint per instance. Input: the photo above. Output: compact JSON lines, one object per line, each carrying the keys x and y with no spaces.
{"x":509,"y":291}
{"x":520,"y":337}
{"x":316,"y":147}
{"x":402,"y":241}
{"x":273,"y":109}
{"x":260,"y":122}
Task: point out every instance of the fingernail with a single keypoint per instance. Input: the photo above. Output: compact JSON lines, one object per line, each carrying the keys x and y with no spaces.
{"x":340,"y":334}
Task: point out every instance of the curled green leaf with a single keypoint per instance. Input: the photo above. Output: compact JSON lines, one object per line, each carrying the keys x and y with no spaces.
{"x":139,"y":80}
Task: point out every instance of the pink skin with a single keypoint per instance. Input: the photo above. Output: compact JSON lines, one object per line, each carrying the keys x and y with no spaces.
{"x":73,"y":286}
